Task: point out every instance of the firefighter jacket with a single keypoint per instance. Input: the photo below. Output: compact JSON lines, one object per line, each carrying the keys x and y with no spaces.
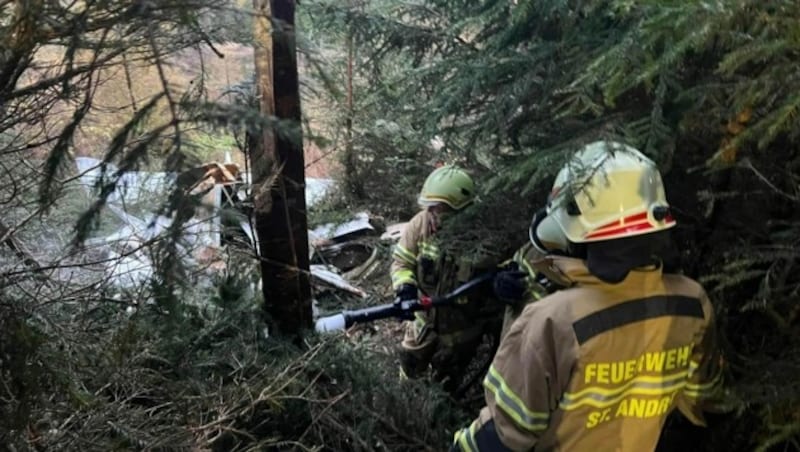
{"x":418,"y":261}
{"x":599,"y":366}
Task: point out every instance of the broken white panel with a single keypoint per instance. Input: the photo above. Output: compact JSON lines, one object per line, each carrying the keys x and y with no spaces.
{"x":130,"y":271}
{"x":136,"y":223}
{"x":328,"y":274}
{"x":248,"y":231}
{"x":360,"y":222}
{"x":316,"y":189}
{"x":133,"y":186}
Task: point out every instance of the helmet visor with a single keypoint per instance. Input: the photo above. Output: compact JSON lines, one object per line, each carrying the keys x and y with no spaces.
{"x":545,"y":234}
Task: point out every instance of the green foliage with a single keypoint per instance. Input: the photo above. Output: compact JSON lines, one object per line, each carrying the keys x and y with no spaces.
{"x":211,"y":147}
{"x":21,"y":369}
{"x":331,"y":209}
{"x":208,"y":379}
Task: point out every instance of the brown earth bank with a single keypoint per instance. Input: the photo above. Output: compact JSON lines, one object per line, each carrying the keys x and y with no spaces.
{"x":120,"y":91}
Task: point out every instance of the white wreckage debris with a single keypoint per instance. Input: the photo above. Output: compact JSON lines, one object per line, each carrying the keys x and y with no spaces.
{"x":133,"y":206}
{"x":133,"y":203}
{"x":329,"y":275}
{"x":329,"y":233}
{"x":337,"y":248}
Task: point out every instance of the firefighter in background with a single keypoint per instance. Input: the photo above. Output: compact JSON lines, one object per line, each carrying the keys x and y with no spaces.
{"x":599,"y":364}
{"x":446,"y":338}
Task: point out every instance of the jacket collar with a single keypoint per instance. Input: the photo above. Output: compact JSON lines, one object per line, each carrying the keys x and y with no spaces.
{"x":570,"y":271}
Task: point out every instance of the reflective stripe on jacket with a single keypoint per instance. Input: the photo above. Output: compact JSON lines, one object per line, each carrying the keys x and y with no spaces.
{"x":415,"y":244}
{"x":534,"y":291}
{"x":600,"y":366}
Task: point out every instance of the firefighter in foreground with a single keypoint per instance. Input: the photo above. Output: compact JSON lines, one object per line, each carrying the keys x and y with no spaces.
{"x":600,"y":364}
{"x":444,"y":339}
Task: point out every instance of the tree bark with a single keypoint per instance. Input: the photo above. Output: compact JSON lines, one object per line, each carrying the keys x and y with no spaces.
{"x":279,"y":172}
{"x":352,"y":176}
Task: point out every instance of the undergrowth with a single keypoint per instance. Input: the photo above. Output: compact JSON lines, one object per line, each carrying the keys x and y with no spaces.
{"x":208,"y":379}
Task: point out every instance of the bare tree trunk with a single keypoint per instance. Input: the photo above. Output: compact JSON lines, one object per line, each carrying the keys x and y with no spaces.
{"x":279,"y":172}
{"x":352,"y":176}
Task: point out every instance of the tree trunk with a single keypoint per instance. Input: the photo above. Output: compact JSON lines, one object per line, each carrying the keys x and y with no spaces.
{"x":352,"y":177}
{"x":279,"y":172}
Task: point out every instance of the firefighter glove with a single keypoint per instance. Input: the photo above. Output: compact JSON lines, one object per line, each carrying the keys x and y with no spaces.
{"x":509,"y":285}
{"x":406,"y":292}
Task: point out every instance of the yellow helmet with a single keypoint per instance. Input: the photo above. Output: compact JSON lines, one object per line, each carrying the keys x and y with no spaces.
{"x":607,"y":191}
{"x":449,"y":185}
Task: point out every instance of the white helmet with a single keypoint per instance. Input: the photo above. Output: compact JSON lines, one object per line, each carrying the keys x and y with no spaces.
{"x":607,"y":191}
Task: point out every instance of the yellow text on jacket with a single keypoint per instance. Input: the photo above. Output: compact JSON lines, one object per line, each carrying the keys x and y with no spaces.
{"x":621,"y":371}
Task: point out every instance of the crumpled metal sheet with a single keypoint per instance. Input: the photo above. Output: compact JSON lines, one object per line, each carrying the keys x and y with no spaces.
{"x":329,"y":274}
{"x":332,"y":231}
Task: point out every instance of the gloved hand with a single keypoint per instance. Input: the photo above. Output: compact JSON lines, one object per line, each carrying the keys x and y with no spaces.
{"x":509,"y":284}
{"x":406,"y":292}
